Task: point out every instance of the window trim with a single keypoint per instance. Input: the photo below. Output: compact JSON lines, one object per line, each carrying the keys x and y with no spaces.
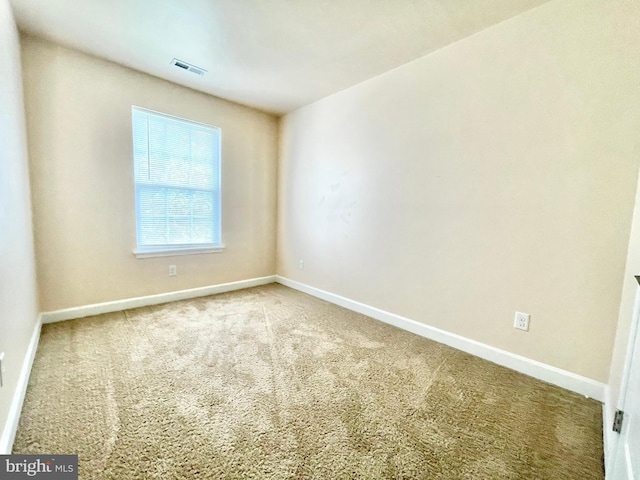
{"x":175,"y":250}
{"x":150,"y":251}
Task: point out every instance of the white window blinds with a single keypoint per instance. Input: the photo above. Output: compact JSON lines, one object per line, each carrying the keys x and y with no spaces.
{"x":177,"y":182}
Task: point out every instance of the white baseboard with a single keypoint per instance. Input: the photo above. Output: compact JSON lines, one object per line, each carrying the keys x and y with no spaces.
{"x":117,"y":305}
{"x":556,"y":376}
{"x":10,"y":428}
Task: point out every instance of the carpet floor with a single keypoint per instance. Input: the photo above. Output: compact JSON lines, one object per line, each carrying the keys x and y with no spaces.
{"x":270,"y":383}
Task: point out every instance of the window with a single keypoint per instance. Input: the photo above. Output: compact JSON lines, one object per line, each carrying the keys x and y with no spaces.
{"x":177,"y":183}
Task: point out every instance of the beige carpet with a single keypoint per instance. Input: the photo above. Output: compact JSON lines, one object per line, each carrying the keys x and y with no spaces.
{"x":271,"y":383}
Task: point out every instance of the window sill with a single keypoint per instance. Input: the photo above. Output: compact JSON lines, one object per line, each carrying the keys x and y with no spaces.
{"x":172,"y":252}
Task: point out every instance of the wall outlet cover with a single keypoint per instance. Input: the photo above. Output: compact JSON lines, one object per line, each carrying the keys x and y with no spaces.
{"x":521,"y":321}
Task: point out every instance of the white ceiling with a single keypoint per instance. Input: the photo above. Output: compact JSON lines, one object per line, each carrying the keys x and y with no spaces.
{"x":275,"y":55}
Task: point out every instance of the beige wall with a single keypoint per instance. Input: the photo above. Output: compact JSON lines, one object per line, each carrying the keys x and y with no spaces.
{"x":78,"y":113}
{"x":18,"y":294}
{"x":495,"y":175}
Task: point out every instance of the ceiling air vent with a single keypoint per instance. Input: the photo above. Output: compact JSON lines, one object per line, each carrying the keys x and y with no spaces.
{"x":188,"y":67}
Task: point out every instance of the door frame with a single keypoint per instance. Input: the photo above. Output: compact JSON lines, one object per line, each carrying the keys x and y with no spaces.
{"x":611,"y":439}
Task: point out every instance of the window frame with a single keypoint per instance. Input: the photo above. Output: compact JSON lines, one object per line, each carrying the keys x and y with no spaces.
{"x":148,"y":251}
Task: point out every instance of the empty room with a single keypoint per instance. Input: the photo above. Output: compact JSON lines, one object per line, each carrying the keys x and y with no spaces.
{"x":320,"y":239}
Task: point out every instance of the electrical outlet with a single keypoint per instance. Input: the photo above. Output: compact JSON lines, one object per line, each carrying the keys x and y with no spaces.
{"x":1,"y":368}
{"x":521,"y":321}
{"x":173,"y":270}
{"x":301,"y":264}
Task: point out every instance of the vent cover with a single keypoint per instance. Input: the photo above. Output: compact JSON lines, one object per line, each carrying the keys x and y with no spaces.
{"x":188,"y":67}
